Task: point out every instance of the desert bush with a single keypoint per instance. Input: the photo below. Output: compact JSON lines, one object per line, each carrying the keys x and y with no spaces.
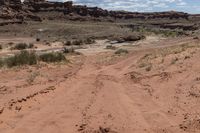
{"x":77,"y":42}
{"x":110,"y":47}
{"x":89,"y":41}
{"x":68,"y":43}
{"x":52,"y":57}
{"x":10,"y":43}
{"x":32,"y":77}
{"x":30,"y":58}
{"x":23,"y":58}
{"x":37,"y":39}
{"x":20,"y":46}
{"x":121,"y":51}
{"x":1,"y":47}
{"x":170,"y":33}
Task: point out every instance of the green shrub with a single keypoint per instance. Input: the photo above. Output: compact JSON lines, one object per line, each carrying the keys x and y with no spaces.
{"x":121,"y":51}
{"x":23,"y":58}
{"x":52,"y":57}
{"x":30,"y":58}
{"x":21,"y":46}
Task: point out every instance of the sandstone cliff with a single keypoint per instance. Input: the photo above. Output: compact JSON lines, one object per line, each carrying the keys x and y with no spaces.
{"x":14,"y":11}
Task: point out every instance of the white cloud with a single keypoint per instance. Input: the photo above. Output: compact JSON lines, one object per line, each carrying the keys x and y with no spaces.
{"x":144,"y":5}
{"x":133,"y":5}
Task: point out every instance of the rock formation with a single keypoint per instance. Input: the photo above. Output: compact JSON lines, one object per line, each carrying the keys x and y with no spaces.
{"x":68,"y":7}
{"x":37,"y":10}
{"x":12,"y":11}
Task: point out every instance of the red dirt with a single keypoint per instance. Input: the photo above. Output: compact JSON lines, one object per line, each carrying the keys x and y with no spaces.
{"x":115,"y":95}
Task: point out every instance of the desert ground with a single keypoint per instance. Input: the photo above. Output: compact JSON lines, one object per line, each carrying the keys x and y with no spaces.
{"x":152,"y":88}
{"x":68,"y":68}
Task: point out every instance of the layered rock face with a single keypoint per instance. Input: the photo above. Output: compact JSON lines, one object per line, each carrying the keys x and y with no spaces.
{"x":37,"y":10}
{"x":12,"y":11}
{"x":42,"y":5}
{"x":69,"y":8}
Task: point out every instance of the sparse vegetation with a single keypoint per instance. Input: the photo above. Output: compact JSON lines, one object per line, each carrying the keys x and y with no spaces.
{"x":68,"y":43}
{"x":23,"y":58}
{"x":52,"y":57}
{"x":121,"y":51}
{"x":32,"y":77}
{"x":30,"y":58}
{"x":20,"y":46}
{"x":110,"y":47}
{"x":23,"y":46}
{"x":10,"y":43}
{"x":31,"y":45}
{"x":160,"y":31}
{"x":89,"y":41}
{"x":77,"y":42}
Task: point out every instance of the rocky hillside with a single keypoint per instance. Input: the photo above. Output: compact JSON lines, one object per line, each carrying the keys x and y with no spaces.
{"x":14,"y":11}
{"x":68,"y":9}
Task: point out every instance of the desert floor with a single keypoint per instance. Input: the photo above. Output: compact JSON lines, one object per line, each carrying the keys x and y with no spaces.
{"x":155,"y":88}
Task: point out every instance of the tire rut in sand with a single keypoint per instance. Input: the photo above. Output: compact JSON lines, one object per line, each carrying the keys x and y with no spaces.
{"x":17,"y":104}
{"x":86,"y":114}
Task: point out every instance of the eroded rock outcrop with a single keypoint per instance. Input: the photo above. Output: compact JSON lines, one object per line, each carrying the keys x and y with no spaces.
{"x":37,"y":10}
{"x":68,"y":8}
{"x":12,"y":11}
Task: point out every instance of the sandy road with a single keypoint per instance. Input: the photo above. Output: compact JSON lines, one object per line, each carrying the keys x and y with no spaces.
{"x":101,"y":98}
{"x":96,"y":97}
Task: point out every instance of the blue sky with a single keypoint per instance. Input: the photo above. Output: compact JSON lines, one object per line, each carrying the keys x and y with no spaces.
{"x":190,"y":6}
